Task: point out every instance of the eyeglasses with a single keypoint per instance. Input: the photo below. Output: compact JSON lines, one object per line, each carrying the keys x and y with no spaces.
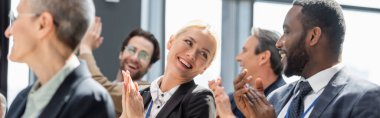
{"x":13,"y":17}
{"x":142,"y":54}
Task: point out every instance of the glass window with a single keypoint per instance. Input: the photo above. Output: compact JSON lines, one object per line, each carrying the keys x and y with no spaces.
{"x":180,"y":12}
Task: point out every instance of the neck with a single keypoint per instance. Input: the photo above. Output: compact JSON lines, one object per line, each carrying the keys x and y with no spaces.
{"x":268,"y":77}
{"x":170,"y":80}
{"x":314,"y":66}
{"x":48,"y":59}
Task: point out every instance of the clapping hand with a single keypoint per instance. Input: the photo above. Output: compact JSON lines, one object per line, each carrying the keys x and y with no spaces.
{"x":132,"y":101}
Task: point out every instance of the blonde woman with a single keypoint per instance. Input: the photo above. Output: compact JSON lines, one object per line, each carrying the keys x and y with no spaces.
{"x":174,"y":94}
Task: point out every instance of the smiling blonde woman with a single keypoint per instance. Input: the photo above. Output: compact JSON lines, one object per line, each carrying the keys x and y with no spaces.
{"x":174,"y":94}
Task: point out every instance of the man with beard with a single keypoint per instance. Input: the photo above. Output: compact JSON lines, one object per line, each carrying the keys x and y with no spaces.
{"x":138,"y":52}
{"x":311,"y":47}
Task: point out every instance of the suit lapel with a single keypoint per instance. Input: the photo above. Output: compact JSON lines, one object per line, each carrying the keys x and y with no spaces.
{"x":146,"y":97}
{"x":20,"y":104}
{"x":175,"y":100}
{"x":63,"y":93}
{"x":336,"y":84}
{"x":288,"y":93}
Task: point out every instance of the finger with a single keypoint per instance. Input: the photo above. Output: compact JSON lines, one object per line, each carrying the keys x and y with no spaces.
{"x":219,"y":90}
{"x":251,"y":97}
{"x":100,"y":41}
{"x":248,"y":101}
{"x":211,"y":84}
{"x":100,"y":26}
{"x":127,"y":81}
{"x":123,"y":94}
{"x":261,"y":98}
{"x":241,"y":92}
{"x":240,"y":84}
{"x":136,"y":87}
{"x":218,"y":82}
{"x":240,"y":76}
{"x":97,"y":26}
{"x":259,"y":86}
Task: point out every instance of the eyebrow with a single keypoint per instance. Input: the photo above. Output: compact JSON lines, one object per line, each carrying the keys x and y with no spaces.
{"x":191,"y":38}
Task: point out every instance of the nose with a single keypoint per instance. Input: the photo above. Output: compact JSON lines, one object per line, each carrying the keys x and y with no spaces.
{"x":280,"y":42}
{"x":135,"y":58}
{"x":191,"y":54}
{"x":238,"y":57}
{"x":7,"y":32}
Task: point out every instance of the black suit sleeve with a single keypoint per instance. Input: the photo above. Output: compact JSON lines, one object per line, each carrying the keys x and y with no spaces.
{"x":201,"y":105}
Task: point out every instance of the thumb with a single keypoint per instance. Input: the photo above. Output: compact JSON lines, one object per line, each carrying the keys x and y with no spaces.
{"x":259,"y":85}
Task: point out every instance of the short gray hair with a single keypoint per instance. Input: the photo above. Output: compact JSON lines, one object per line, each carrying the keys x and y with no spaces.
{"x":267,"y":41}
{"x":71,"y":17}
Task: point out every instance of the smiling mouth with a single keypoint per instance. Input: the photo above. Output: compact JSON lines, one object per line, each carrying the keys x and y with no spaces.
{"x":132,"y":67}
{"x":186,"y":64}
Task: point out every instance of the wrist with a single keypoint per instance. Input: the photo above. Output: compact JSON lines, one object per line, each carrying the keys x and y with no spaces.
{"x":84,"y":49}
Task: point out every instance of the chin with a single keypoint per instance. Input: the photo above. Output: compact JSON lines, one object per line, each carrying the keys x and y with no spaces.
{"x":14,"y":58}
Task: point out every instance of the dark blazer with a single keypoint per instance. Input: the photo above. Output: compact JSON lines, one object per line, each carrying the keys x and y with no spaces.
{"x":345,"y":96}
{"x":189,"y":101}
{"x":79,"y":96}
{"x":277,"y":84}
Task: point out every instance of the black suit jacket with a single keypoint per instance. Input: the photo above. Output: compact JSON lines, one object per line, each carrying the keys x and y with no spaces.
{"x":189,"y":101}
{"x":79,"y":96}
{"x":345,"y":96}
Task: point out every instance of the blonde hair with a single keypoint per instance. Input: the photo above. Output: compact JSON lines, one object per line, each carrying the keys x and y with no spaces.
{"x":199,"y":24}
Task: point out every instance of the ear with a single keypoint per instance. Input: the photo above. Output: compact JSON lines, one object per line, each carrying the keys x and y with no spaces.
{"x":170,"y":43}
{"x":264,"y":57}
{"x":314,"y":36}
{"x":45,"y":24}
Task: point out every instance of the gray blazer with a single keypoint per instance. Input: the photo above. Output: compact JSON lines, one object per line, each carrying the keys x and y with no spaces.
{"x":345,"y":96}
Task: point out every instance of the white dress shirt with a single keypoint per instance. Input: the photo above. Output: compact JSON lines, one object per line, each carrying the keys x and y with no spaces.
{"x":159,"y":98}
{"x":39,"y":96}
{"x":318,"y":82}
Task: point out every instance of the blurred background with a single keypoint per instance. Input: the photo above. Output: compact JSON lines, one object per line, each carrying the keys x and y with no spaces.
{"x":232,"y":19}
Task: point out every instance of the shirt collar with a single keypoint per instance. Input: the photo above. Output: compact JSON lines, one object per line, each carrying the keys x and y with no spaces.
{"x":321,"y":79}
{"x":278,"y":83}
{"x":40,"y":96}
{"x":69,"y":66}
{"x":155,"y":90}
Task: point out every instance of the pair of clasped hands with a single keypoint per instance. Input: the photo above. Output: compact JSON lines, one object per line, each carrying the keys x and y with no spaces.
{"x":249,"y":100}
{"x":132,"y":101}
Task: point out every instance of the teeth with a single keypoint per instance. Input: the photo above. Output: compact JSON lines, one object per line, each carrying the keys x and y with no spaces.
{"x":184,"y":62}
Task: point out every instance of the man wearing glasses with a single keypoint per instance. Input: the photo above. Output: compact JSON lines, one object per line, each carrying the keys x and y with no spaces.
{"x":138,"y":52}
{"x":45,"y":34}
